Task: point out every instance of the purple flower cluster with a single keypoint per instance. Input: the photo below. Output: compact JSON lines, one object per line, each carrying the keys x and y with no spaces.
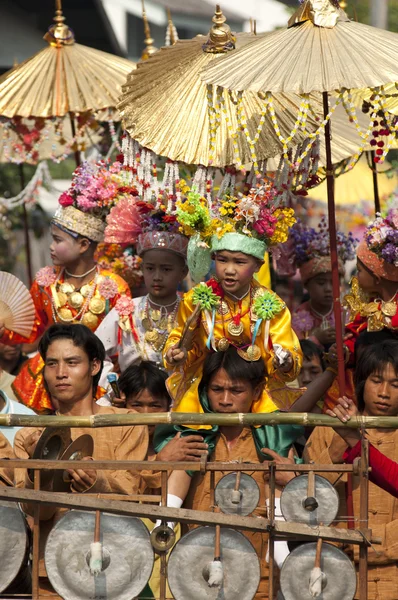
{"x":310,"y":243}
{"x":381,"y":236}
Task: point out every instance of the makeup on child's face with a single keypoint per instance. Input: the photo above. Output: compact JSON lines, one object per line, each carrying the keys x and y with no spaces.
{"x":310,"y":370}
{"x":64,"y":248}
{"x":320,"y":290}
{"x":381,"y":393}
{"x":235,"y":271}
{"x":228,"y":395}
{"x":163,"y":272}
{"x":366,"y":280}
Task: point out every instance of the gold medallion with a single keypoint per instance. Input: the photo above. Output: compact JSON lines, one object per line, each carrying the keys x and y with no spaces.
{"x":155,"y":315}
{"x":90,"y":320}
{"x":151,"y":336}
{"x":222,"y":308}
{"x":163,"y":323}
{"x":235,"y":329}
{"x":252,"y":353}
{"x":62,"y":298}
{"x":66,"y":288}
{"x":76,"y":300}
{"x":370,"y":308}
{"x":146,"y":324}
{"x":65,"y":314}
{"x":223,"y":344}
{"x":97,"y":305}
{"x":389,"y":309}
{"x":86,"y":290}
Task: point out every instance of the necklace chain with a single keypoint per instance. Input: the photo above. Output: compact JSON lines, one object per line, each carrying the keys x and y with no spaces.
{"x":80,"y":276}
{"x":240,"y":298}
{"x":57,"y":317}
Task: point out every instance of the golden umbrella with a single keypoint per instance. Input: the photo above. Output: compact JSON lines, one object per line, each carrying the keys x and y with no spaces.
{"x":320,"y":51}
{"x":165,"y":105}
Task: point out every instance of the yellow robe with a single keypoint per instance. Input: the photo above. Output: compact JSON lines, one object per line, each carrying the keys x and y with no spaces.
{"x":183,"y":383}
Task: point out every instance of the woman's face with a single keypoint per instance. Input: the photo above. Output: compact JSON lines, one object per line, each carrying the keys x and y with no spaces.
{"x":228,"y":395}
{"x":381,"y":393}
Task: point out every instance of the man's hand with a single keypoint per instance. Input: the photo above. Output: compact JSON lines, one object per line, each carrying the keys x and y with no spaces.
{"x":82,"y":480}
{"x":176,"y":356}
{"x":191,"y":447}
{"x":31,"y":442}
{"x":281,"y":477}
{"x":325,"y":336}
{"x":344,"y":410}
{"x":286,"y":365}
{"x":119,"y":402}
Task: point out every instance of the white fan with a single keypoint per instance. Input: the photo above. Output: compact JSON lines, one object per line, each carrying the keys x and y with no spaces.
{"x":17,"y":309}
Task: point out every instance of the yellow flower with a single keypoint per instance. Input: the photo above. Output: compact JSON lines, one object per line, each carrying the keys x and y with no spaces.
{"x":286,"y":220}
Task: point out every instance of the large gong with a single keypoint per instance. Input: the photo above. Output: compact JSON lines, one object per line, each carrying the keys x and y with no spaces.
{"x":248,"y":495}
{"x":191,"y":556}
{"x":339,"y":584}
{"x":126,"y":552}
{"x":13,"y":542}
{"x":324,"y":506}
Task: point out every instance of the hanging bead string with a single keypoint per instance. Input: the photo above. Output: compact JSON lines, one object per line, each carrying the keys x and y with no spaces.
{"x":42,"y":174}
{"x":233,"y":134}
{"x":392,"y":125}
{"x":214,"y":114}
{"x":114,"y":134}
{"x":243,"y":123}
{"x":199,"y":180}
{"x":228,"y":181}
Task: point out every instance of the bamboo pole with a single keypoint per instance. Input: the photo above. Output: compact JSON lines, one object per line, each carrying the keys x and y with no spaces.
{"x":176,"y":418}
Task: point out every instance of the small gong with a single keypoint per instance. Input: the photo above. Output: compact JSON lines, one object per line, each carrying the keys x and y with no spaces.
{"x":13,"y":542}
{"x":339,"y":584}
{"x":51,"y":446}
{"x":296,"y":507}
{"x":127,"y":557}
{"x":82,"y":446}
{"x":189,"y":563}
{"x":248,"y":497}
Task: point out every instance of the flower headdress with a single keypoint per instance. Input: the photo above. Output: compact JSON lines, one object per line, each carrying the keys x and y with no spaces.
{"x":379,"y":250}
{"x":94,"y":190}
{"x":312,"y":249}
{"x":251,"y":223}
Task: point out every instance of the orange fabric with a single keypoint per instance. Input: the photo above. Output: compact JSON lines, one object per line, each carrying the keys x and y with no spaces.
{"x":378,"y":266}
{"x":28,"y":385}
{"x":6,"y":452}
{"x":333,"y":394}
{"x":199,"y":494}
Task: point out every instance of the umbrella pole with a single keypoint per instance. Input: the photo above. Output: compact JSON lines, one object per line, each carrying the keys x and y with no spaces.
{"x":26,"y":229}
{"x":333,"y":250}
{"x":375,"y":181}
{"x":73,"y":128}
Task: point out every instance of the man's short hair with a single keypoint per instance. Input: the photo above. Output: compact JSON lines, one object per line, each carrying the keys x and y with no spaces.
{"x":374,"y":359}
{"x":146,"y":375}
{"x":236,"y":367}
{"x":310,"y":349}
{"x":82,"y":337}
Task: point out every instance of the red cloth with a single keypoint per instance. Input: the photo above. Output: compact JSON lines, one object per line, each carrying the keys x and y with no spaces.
{"x":384,"y":471}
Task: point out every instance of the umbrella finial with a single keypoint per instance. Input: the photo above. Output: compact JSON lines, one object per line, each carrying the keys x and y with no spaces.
{"x":150,"y":48}
{"x":171,"y":34}
{"x":59,"y":34}
{"x":323,"y":13}
{"x":221,"y":39}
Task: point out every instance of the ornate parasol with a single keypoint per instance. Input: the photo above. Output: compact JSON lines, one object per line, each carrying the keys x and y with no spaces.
{"x":164,"y":105}
{"x":320,"y":51}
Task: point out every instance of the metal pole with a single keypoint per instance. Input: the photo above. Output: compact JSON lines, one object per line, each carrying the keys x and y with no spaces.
{"x":333,"y":250}
{"x":363,"y":517}
{"x":73,"y":128}
{"x":26,"y":229}
{"x":375,"y":181}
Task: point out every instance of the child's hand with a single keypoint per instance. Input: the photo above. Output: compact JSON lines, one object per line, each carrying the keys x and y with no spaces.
{"x":119,"y":402}
{"x":176,"y":356}
{"x":344,"y":409}
{"x":285,"y":363}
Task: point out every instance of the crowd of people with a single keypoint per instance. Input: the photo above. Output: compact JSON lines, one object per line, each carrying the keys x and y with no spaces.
{"x":227,"y":345}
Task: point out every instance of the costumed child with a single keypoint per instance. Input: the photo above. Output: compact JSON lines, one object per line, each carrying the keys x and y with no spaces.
{"x":314,"y":319}
{"x":231,"y":309}
{"x":74,"y":289}
{"x":137,"y":330}
{"x":373,"y":301}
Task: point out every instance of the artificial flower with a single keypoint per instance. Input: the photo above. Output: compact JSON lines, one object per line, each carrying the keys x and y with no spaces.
{"x":108,"y":288}
{"x":65,"y":199}
{"x":124,"y":306}
{"x":267,"y":306}
{"x":46,"y":276}
{"x":302,"y":322}
{"x":205,"y":297}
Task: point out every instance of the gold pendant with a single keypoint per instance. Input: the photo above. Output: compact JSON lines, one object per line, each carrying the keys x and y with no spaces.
{"x":389,"y":309}
{"x":62,"y":298}
{"x":76,"y":300}
{"x":146,"y":324}
{"x":163,"y":323}
{"x":252,"y":353}
{"x":151,"y":336}
{"x":370,"y":309}
{"x":90,"y":320}
{"x":235,"y":329}
{"x":66,"y":288}
{"x":65,"y":314}
{"x":223,"y":344}
{"x":97,"y":305}
{"x":222,"y":308}
{"x":155,"y":315}
{"x":86,"y":290}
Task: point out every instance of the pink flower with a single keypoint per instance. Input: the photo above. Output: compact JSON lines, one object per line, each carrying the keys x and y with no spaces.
{"x":85,"y":203}
{"x":124,"y":306}
{"x":65,"y":199}
{"x":302,"y":322}
{"x":108,"y":288}
{"x":46,"y":276}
